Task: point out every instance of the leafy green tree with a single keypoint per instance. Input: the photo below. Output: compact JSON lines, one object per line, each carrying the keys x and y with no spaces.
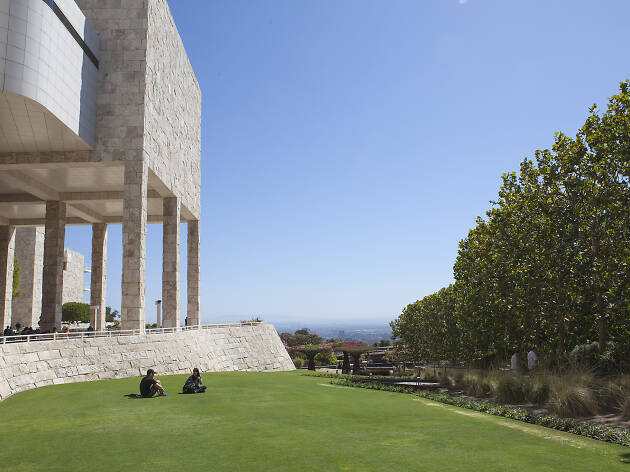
{"x":74,"y":311}
{"x":311,"y":351}
{"x":110,"y":316}
{"x":326,"y":358}
{"x":300,"y":338}
{"x":549,"y":265}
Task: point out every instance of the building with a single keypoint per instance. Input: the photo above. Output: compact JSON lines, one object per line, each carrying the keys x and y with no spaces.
{"x":29,"y":251}
{"x":100,"y":124}
{"x":73,"y":277}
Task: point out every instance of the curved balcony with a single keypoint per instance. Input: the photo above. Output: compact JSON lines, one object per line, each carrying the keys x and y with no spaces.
{"x":48,"y":77}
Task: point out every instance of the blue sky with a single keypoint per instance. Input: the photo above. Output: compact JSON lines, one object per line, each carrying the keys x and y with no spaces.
{"x":349,"y":145}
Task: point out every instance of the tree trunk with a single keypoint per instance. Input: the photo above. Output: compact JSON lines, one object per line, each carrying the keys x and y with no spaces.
{"x":356,"y":360}
{"x":311,"y":361}
{"x":601,"y":320}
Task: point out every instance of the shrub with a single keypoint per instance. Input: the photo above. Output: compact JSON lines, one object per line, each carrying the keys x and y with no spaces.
{"x":298,"y":362}
{"x":326,"y":358}
{"x":445,"y":379}
{"x":510,"y":389}
{"x":625,"y":409}
{"x":538,"y":390}
{"x":585,"y":356}
{"x":610,"y":396}
{"x":572,"y":400}
{"x":427,"y":375}
{"x":477,"y":385}
{"x":613,"y":360}
{"x":74,"y":311}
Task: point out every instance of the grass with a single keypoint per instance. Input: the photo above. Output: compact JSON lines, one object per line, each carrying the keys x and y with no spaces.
{"x":274,"y":422}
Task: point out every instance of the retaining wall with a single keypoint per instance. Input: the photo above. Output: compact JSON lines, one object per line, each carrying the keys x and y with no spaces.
{"x":24,"y":366}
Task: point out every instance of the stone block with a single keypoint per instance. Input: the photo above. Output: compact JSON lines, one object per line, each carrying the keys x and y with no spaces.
{"x":47,"y":355}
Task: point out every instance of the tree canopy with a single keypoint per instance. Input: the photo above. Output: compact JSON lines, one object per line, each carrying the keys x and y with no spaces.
{"x":74,"y":311}
{"x":549,"y":265}
{"x":300,"y":338}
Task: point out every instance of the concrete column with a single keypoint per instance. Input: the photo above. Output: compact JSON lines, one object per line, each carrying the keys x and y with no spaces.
{"x":170,"y":262}
{"x":194,"y":274}
{"x":132,"y":312}
{"x":7,"y":251}
{"x":52,"y":284}
{"x":94,"y":316}
{"x":158,"y":313}
{"x":29,"y":251}
{"x":98,"y":281}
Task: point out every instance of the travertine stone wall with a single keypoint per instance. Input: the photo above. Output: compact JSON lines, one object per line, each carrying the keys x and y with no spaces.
{"x":29,"y":249}
{"x":170,"y":263}
{"x":24,"y":366}
{"x":149,"y":101}
{"x":98,"y":277}
{"x":193,"y":316}
{"x":52,"y":285}
{"x":73,"y":276}
{"x":122,"y":65}
{"x":7,"y":246}
{"x":134,"y":246}
{"x":172,"y":97}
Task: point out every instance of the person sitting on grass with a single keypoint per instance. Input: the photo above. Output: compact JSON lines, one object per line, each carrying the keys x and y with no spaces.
{"x":150,"y":386}
{"x":193,"y":383}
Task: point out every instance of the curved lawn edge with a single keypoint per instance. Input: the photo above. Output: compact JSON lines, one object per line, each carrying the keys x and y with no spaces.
{"x":580,"y":428}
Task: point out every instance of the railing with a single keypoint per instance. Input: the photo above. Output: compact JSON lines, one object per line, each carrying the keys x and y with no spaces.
{"x":27,"y":338}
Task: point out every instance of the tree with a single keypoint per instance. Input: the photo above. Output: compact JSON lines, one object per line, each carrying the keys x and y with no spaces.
{"x":110,"y":316}
{"x":355,"y":350}
{"x":549,"y":265}
{"x":300,"y":338}
{"x":16,"y":277}
{"x":74,"y":311}
{"x":311,"y":351}
{"x":326,"y":358}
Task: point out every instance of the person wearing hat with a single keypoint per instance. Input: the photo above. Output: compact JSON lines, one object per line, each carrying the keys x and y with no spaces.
{"x":150,"y":386}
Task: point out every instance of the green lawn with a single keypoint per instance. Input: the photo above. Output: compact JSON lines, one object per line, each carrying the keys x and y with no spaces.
{"x":274,"y":422}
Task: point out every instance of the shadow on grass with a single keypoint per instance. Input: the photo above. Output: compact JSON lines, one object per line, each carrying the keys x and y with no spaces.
{"x":135,"y":396}
{"x":625,"y":458}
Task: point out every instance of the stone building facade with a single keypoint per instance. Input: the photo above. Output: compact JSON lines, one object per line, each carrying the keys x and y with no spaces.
{"x":73,"y":277}
{"x":29,"y":250}
{"x":100,"y":124}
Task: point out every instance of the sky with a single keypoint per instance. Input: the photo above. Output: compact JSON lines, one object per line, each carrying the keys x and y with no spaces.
{"x":349,"y":145}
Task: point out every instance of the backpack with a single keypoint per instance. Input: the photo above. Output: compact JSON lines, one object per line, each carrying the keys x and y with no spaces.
{"x":189,"y":387}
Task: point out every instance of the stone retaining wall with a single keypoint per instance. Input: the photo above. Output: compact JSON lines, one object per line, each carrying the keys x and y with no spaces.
{"x":24,"y":366}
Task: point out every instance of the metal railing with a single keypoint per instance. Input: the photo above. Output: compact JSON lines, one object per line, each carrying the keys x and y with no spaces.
{"x":27,"y":338}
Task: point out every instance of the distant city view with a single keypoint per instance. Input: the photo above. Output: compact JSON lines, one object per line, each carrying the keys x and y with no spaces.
{"x":367,"y":333}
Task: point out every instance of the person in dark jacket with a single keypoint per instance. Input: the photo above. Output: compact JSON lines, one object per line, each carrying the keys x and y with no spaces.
{"x":149,"y":386}
{"x":193,"y":383}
